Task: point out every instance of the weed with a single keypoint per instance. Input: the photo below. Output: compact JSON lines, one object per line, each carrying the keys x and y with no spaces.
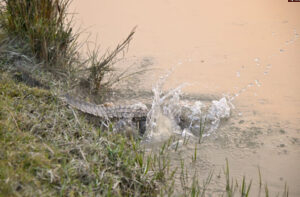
{"x":259,"y":176}
{"x":201,"y":128}
{"x":244,"y":190}
{"x":286,"y":191}
{"x":266,"y":190}
{"x":194,"y":158}
{"x":100,"y":67}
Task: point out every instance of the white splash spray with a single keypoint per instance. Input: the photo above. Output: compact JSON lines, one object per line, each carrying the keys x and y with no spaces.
{"x":171,"y":115}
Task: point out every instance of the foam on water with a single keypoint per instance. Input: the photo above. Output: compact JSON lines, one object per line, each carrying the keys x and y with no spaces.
{"x":169,"y":114}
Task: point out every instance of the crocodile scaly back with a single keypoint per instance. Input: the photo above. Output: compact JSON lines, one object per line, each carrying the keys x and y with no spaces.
{"x":114,"y":112}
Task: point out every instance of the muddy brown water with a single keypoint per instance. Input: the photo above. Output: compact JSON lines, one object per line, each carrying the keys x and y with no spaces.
{"x":250,"y":49}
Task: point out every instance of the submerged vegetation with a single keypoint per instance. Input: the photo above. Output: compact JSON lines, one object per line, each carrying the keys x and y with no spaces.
{"x":47,"y":148}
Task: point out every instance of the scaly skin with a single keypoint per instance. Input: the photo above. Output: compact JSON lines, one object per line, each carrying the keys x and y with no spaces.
{"x":137,"y":113}
{"x":113,"y":112}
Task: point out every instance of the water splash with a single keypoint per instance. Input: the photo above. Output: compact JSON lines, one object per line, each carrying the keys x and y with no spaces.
{"x":218,"y":111}
{"x":164,"y":106}
{"x":169,"y":114}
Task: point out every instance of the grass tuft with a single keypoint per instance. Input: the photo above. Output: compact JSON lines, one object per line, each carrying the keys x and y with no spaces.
{"x":43,"y":25}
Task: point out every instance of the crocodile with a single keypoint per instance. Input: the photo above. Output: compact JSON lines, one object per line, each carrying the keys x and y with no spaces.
{"x":136,"y":113}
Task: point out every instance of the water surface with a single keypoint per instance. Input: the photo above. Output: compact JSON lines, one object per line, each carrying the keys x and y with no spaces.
{"x":247,"y":49}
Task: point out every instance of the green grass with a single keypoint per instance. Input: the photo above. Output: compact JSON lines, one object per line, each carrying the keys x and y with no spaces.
{"x":45,"y":150}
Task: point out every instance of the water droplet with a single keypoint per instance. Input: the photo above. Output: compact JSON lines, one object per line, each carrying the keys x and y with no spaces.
{"x":257,"y":83}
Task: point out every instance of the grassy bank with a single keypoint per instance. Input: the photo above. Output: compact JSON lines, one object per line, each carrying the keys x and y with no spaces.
{"x":48,"y":149}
